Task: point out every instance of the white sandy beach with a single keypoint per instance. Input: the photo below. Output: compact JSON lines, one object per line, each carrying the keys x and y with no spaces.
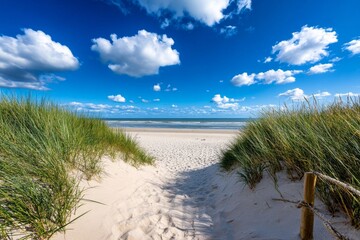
{"x":185,"y":196}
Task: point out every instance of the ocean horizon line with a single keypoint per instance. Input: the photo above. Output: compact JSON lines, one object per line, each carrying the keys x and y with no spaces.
{"x":179,"y":123}
{"x":178,"y":118}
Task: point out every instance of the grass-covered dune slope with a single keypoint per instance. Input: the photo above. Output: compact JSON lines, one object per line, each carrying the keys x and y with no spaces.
{"x":44,"y":152}
{"x":308,"y":138}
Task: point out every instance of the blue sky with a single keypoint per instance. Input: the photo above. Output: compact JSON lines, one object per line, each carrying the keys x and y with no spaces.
{"x":179,"y":58}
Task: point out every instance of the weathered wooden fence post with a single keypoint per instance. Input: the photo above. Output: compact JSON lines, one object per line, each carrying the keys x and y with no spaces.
{"x":307,"y":215}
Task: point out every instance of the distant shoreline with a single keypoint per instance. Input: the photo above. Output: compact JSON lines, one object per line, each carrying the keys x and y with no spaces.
{"x":190,"y":124}
{"x":181,"y":130}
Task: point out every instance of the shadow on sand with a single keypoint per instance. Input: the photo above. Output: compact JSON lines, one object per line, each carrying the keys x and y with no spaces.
{"x":194,"y":190}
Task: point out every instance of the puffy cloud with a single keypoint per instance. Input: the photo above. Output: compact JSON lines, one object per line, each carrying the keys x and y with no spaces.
{"x":36,"y":85}
{"x":174,"y":106}
{"x":349,"y":94}
{"x":218,"y":99}
{"x":208,"y":12}
{"x":321,"y":68}
{"x":27,"y":60}
{"x":228,"y":30}
{"x":157,"y":87}
{"x":144,"y":100}
{"x":139,"y":55}
{"x":353,"y":46}
{"x":243,"y":79}
{"x":156,"y":100}
{"x":205,"y":11}
{"x":106,"y":109}
{"x":225,"y":102}
{"x":321,"y":95}
{"x":298,"y":94}
{"x":294,"y":94}
{"x":308,"y":45}
{"x":89,"y":107}
{"x":271,"y":76}
{"x":228,"y":105}
{"x":279,"y":76}
{"x":117,"y":98}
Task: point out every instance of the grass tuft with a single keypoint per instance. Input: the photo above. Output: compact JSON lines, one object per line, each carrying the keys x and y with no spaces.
{"x":309,"y":137}
{"x":43,"y":151}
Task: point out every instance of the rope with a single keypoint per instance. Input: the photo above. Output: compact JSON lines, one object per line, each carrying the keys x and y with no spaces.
{"x":337,"y":182}
{"x":325,"y":221}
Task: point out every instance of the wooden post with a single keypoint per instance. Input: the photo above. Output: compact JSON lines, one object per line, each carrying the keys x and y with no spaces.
{"x":307,"y":216}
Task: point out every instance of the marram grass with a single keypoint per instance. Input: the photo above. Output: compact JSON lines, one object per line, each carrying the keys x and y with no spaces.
{"x":44,"y":152}
{"x":310,"y":137}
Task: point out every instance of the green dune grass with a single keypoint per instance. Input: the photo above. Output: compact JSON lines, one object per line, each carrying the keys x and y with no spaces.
{"x":310,"y":137}
{"x":44,"y":152}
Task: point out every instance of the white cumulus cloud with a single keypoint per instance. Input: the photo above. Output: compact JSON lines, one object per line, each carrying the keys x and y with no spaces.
{"x":89,"y":107}
{"x":225,"y":102}
{"x":218,"y":99}
{"x":297,"y":94}
{"x":321,"y":95}
{"x":279,"y":76}
{"x":117,"y":98}
{"x":271,"y":76}
{"x":157,"y":87}
{"x":308,"y":45}
{"x":243,"y":79}
{"x":294,"y":94}
{"x":321,"y":68}
{"x":208,"y":12}
{"x":30,"y":60}
{"x":139,"y":55}
{"x":353,"y":46}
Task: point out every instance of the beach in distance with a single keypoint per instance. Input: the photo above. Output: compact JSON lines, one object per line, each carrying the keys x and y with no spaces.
{"x":186,"y":195}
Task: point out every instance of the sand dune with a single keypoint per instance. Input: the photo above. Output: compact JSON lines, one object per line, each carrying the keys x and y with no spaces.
{"x":185,"y":196}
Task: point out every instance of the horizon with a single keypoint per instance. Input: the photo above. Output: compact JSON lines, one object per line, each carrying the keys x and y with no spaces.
{"x":179,"y":59}
{"x":185,"y":118}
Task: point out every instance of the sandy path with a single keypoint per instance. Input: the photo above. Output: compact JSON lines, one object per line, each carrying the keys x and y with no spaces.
{"x":176,"y":205}
{"x":171,"y":200}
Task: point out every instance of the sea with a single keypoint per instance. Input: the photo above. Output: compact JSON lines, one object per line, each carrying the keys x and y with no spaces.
{"x":180,"y":123}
